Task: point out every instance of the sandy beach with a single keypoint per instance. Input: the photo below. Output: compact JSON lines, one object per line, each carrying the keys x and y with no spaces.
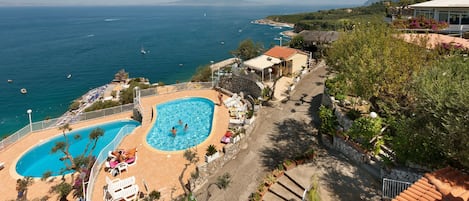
{"x":273,"y":23}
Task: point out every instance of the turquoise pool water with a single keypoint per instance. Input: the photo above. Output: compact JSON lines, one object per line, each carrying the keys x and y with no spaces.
{"x":39,"y":159}
{"x":197,"y":113}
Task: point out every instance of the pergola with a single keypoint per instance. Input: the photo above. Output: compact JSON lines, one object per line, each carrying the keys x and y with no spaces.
{"x":261,"y":63}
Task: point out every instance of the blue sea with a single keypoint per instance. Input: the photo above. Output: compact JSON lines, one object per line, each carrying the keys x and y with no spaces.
{"x":40,"y":46}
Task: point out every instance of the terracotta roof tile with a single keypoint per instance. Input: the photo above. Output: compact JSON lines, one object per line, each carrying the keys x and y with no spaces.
{"x":281,"y":52}
{"x":446,"y":184}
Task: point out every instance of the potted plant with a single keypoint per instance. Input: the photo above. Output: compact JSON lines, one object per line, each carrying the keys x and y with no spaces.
{"x":289,"y":164}
{"x":300,"y":159}
{"x":211,"y":153}
{"x":310,"y":154}
{"x":269,"y":180}
{"x":262,"y":189}
{"x":279,"y":171}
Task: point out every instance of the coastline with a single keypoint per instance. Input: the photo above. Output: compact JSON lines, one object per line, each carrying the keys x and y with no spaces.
{"x":278,"y":25}
{"x":273,"y":23}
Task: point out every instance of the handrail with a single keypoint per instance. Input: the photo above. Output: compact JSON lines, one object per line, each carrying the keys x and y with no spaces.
{"x":102,"y":156}
{"x":54,"y":123}
{"x":392,"y":188}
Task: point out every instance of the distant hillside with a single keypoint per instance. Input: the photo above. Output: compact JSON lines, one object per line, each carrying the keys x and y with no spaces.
{"x":212,"y":2}
{"x":333,"y":19}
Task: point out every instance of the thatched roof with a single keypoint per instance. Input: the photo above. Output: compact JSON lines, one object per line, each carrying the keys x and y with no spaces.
{"x":319,"y":36}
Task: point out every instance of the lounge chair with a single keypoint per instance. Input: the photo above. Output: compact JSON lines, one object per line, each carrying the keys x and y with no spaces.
{"x":127,"y":194}
{"x":121,"y":167}
{"x":231,"y":101}
{"x":116,"y":185}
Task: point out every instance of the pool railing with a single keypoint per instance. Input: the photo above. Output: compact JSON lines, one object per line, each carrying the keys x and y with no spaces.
{"x":54,"y":123}
{"x":102,"y":157}
{"x":167,"y":89}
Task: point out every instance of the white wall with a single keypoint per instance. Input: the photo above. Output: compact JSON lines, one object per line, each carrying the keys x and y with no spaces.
{"x":299,"y":60}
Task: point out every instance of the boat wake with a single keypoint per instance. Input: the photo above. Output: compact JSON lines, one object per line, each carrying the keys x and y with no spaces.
{"x":111,"y":19}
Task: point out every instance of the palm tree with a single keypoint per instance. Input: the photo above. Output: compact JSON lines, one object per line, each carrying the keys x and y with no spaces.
{"x":191,"y":157}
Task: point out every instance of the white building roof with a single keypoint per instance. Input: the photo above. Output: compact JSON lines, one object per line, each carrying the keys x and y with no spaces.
{"x":442,"y":4}
{"x":261,"y":62}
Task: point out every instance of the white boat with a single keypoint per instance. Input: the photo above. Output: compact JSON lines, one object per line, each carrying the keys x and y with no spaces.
{"x":23,"y":91}
{"x":69,"y":76}
{"x":9,"y":81}
{"x":142,"y":51}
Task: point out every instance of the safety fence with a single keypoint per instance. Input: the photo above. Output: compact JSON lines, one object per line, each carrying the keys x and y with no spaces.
{"x":53,"y":123}
{"x":392,"y":188}
{"x":102,"y":157}
{"x":175,"y":88}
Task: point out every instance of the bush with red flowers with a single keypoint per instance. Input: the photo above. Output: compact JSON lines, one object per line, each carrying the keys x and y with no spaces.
{"x":420,"y":23}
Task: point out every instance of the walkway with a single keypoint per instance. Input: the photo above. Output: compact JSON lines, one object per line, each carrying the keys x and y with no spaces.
{"x":282,"y":131}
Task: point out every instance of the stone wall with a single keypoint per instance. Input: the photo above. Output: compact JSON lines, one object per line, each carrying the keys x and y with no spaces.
{"x":230,"y":151}
{"x":237,"y":84}
{"x":355,"y":153}
{"x":407,"y":175}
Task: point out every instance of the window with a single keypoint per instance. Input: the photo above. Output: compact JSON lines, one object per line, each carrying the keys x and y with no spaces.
{"x":425,"y":13}
{"x":454,"y":18}
{"x":443,"y":16}
{"x":465,"y":18}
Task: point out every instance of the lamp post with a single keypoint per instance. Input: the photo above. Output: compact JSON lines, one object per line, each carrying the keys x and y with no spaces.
{"x":270,"y":74}
{"x":29,"y":111}
{"x":211,"y":69}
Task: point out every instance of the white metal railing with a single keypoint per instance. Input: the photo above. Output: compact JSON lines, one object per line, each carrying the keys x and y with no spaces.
{"x":392,"y":188}
{"x":52,"y":123}
{"x":101,"y":158}
{"x":175,"y":88}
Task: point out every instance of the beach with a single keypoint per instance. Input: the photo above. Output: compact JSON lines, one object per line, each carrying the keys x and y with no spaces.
{"x":273,"y":23}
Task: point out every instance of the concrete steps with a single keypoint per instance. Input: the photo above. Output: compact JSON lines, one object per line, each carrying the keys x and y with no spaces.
{"x":290,"y":186}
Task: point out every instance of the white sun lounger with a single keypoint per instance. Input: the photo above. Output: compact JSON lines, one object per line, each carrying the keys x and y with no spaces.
{"x":126,"y":194}
{"x":119,"y":184}
{"x":232,"y":100}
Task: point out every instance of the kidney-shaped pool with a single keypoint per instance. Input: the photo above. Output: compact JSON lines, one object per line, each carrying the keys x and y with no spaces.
{"x":196,"y":113}
{"x":39,"y":159}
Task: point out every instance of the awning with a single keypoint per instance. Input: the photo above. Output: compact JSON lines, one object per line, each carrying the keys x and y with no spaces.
{"x":261,"y":62}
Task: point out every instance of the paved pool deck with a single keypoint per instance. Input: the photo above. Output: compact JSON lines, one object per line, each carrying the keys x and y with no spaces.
{"x":161,"y":170}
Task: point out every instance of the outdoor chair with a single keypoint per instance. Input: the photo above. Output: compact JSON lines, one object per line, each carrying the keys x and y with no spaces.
{"x":117,"y":185}
{"x":127,"y":194}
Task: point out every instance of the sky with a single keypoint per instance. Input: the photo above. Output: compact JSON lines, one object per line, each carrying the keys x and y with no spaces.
{"x":171,"y":2}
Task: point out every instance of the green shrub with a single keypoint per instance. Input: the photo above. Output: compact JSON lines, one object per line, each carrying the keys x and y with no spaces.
{"x":354,"y":114}
{"x":364,"y":129}
{"x":328,"y":120}
{"x":340,"y":97}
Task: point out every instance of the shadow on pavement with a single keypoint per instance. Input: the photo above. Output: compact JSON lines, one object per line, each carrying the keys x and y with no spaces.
{"x":291,"y":137}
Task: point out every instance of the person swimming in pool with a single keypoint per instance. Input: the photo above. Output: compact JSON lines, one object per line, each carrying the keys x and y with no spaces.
{"x":186,"y":127}
{"x":173,"y":131}
{"x":180,"y":122}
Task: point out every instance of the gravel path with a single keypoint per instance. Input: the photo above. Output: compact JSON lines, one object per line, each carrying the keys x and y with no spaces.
{"x":282,"y":131}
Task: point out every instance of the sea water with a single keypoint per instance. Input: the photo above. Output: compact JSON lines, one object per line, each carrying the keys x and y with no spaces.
{"x":41,"y":46}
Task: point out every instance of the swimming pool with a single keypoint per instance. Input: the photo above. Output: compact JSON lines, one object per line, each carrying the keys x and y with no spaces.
{"x":39,"y":159}
{"x":197,"y":113}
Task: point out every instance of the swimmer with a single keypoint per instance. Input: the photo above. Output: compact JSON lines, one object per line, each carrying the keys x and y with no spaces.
{"x":180,"y":122}
{"x":186,"y":127}
{"x":173,"y":131}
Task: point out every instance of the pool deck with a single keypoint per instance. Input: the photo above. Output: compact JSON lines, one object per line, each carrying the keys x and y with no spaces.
{"x":160,"y":170}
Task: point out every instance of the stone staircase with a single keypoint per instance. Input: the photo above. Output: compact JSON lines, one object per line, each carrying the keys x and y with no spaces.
{"x":291,"y":186}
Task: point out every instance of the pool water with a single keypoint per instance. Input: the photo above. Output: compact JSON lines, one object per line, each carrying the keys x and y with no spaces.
{"x":40,"y":159}
{"x":197,"y":113}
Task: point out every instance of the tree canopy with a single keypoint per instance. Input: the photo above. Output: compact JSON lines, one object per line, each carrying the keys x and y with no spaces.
{"x":248,"y":50}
